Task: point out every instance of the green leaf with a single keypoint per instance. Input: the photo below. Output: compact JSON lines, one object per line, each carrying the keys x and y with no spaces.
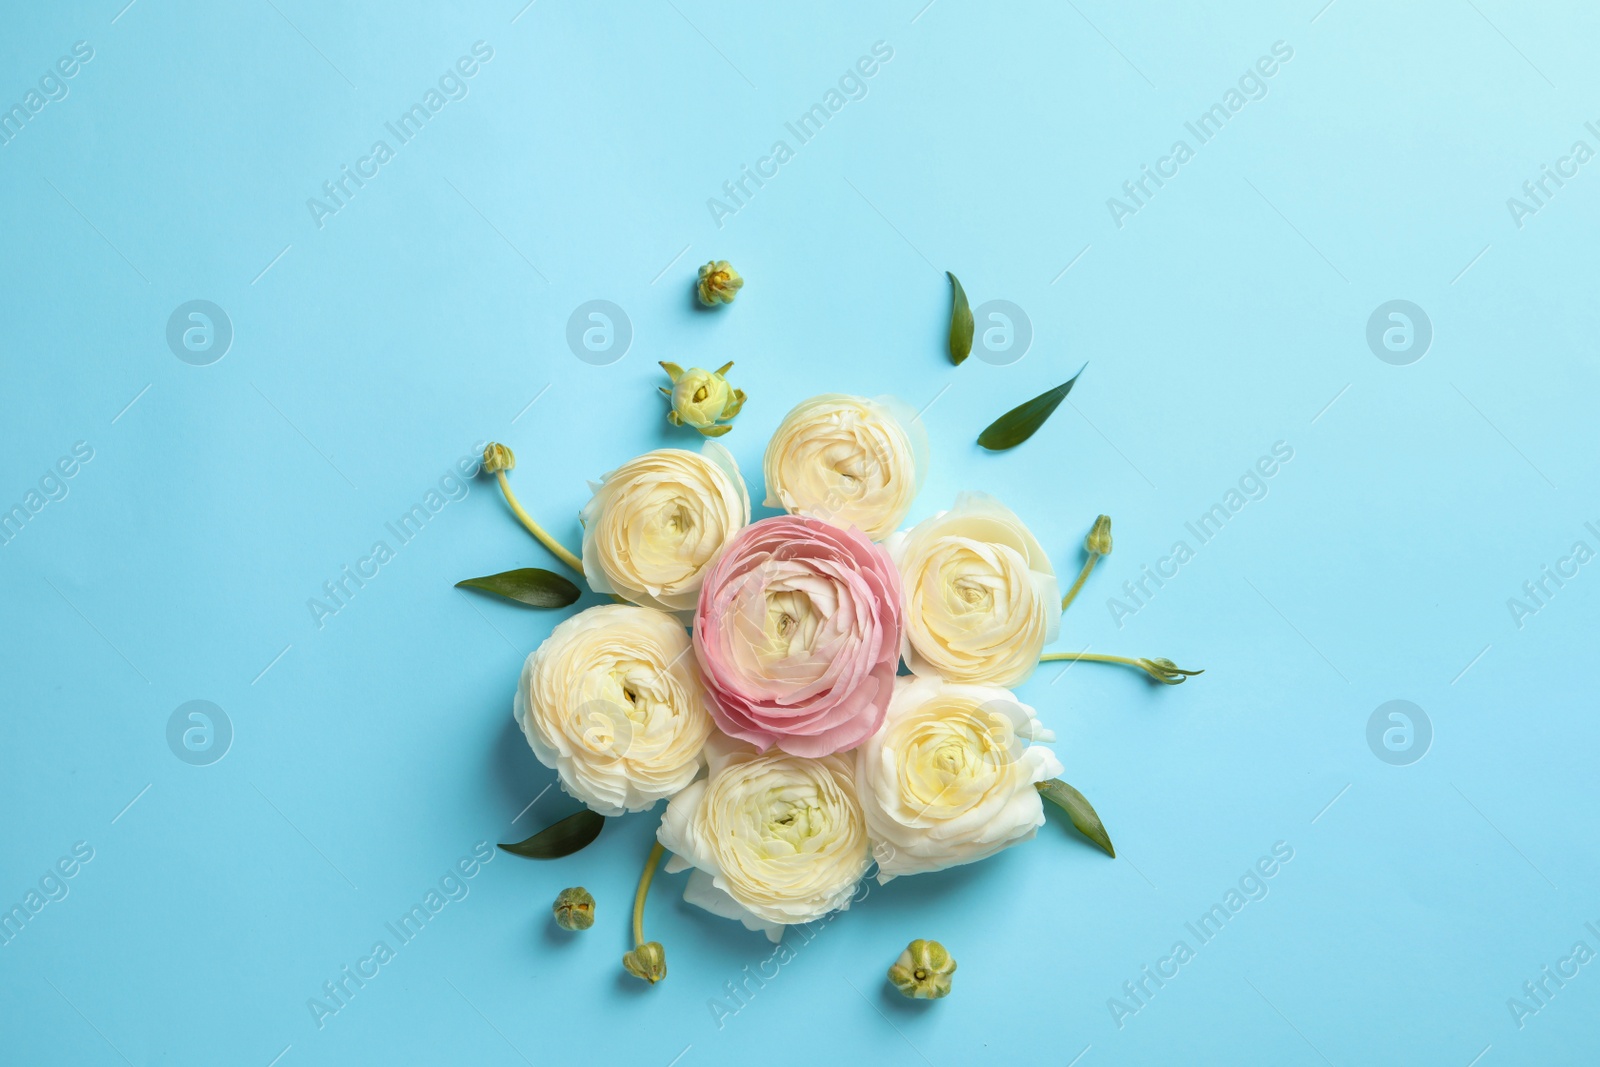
{"x":1079,"y":810}
{"x":961,"y":324}
{"x":533,"y":586}
{"x":562,"y":838}
{"x":1022,"y":421}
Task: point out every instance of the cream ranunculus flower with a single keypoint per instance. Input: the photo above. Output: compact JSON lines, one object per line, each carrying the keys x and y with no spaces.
{"x":949,"y":779}
{"x":849,"y":461}
{"x":981,"y":596}
{"x":612,"y":701}
{"x":658,"y":521}
{"x":774,"y":839}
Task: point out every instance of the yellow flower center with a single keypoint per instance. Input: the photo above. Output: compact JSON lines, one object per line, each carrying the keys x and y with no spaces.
{"x":974,"y":594}
{"x":952,"y":760}
{"x":791,"y":622}
{"x":680,"y":520}
{"x":791,"y":824}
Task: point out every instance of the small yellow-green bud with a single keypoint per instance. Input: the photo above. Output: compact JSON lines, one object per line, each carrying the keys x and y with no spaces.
{"x":702,"y":398}
{"x":923,"y":971}
{"x":719,"y":283}
{"x":574,"y":909}
{"x":1098,"y":543}
{"x":1165,"y":671}
{"x":497,"y":458}
{"x":648,"y":961}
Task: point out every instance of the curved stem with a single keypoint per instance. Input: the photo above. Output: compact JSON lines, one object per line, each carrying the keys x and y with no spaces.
{"x":650,"y":866}
{"x":555,"y":547}
{"x":1083,"y":576}
{"x":1092,"y":657}
{"x":1162,"y":670}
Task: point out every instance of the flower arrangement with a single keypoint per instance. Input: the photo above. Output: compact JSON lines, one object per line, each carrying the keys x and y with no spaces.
{"x":749,"y":672}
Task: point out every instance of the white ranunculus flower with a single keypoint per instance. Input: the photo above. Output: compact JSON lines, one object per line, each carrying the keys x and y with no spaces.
{"x":612,"y":701}
{"x":774,"y":839}
{"x":981,"y":597}
{"x":949,"y":778}
{"x":849,"y":461}
{"x":658,"y":521}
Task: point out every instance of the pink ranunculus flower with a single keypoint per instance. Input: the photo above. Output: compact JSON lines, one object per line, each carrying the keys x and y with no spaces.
{"x":798,"y":636}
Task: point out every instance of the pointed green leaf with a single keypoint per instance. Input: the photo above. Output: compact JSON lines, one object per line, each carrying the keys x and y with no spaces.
{"x":562,"y":838}
{"x":1079,"y":810}
{"x":533,"y":586}
{"x":961,"y":324}
{"x":1021,"y":422}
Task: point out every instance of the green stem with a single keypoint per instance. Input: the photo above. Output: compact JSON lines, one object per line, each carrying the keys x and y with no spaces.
{"x":1083,"y":576}
{"x":650,"y":866}
{"x":1162,"y":670}
{"x":1091,"y":657}
{"x":555,"y":547}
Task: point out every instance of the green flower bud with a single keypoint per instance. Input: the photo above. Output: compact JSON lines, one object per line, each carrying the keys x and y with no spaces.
{"x":648,"y":961}
{"x":719,"y":283}
{"x":702,"y":398}
{"x":497,"y":458}
{"x":1165,"y":671}
{"x":923,"y":971}
{"x":1098,"y":543}
{"x":574,"y":909}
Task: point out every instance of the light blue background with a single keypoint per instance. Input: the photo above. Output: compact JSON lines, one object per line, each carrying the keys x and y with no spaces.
{"x":370,"y":354}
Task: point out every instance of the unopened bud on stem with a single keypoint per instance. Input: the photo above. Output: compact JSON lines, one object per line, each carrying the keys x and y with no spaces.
{"x":497,"y":458}
{"x":1098,"y":543}
{"x":648,"y":961}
